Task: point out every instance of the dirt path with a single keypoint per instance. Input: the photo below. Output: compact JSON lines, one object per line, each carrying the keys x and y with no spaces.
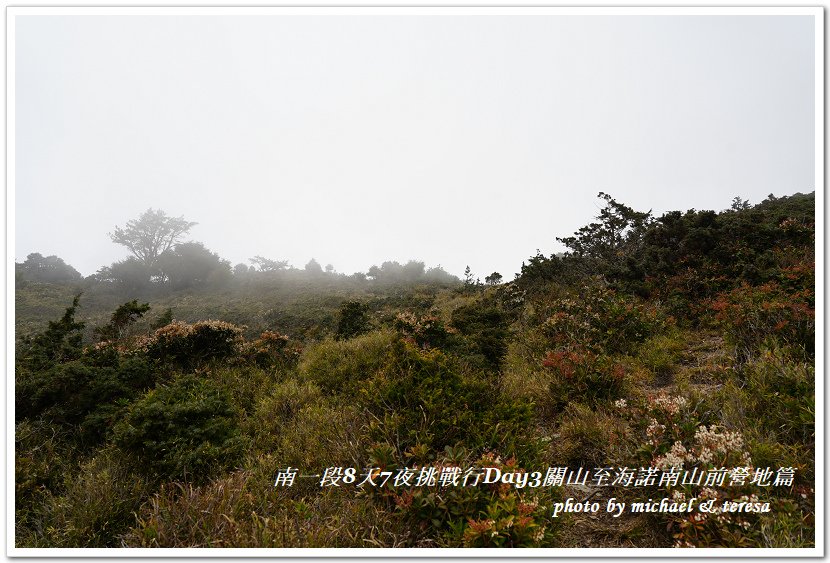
{"x":704,"y":363}
{"x":602,"y":529}
{"x":700,"y":368}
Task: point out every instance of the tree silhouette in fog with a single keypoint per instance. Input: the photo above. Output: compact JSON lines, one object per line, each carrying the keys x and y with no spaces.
{"x":152,"y":234}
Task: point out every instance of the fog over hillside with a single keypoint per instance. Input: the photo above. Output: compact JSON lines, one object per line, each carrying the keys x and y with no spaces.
{"x":457,"y":140}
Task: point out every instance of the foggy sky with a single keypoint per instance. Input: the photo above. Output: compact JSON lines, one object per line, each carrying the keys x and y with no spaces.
{"x":358,"y":139}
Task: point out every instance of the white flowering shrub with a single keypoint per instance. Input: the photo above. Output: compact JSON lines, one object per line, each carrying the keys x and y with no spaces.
{"x":716,"y":466}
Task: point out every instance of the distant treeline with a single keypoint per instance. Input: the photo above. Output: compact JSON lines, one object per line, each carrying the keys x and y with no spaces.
{"x":190,"y":265}
{"x":161,"y":260}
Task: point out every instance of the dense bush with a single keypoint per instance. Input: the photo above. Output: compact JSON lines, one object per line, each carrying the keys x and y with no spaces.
{"x":345,"y":366}
{"x":81,"y":394}
{"x":272,"y":349}
{"x":352,"y":320}
{"x":190,"y":264}
{"x":582,"y":376}
{"x":60,"y":342}
{"x":121,"y":319}
{"x":130,"y":276}
{"x":484,"y":328}
{"x":752,"y":316}
{"x":59,"y":380}
{"x":189,"y":345}
{"x":602,"y":320}
{"x":682,"y":258}
{"x":421,"y":400}
{"x":540,"y":270}
{"x":185,"y":429}
{"x":604,"y":245}
{"x":425,"y":330}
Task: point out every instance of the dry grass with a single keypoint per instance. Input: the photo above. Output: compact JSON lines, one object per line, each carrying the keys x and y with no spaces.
{"x":241,"y":511}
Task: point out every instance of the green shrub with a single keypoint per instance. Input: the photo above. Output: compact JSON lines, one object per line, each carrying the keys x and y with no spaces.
{"x":182,"y":430}
{"x":42,"y":391}
{"x":484,"y":330}
{"x":345,"y":366}
{"x":163,"y":320}
{"x":352,"y":319}
{"x":188,"y":346}
{"x":661,"y":353}
{"x":60,"y":342}
{"x":78,"y":393}
{"x":422,"y":399}
{"x":121,"y":319}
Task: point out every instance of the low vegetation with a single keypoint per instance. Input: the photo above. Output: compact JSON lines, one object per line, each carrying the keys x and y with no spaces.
{"x":156,"y":402}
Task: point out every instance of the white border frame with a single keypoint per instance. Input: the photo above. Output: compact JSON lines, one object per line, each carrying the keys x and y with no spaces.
{"x":11,"y":551}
